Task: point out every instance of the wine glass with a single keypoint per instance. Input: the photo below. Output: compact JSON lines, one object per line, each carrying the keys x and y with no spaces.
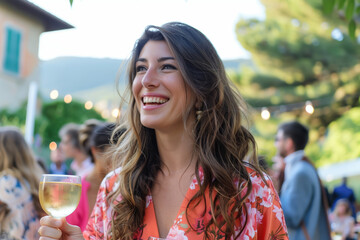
{"x":59,"y":194}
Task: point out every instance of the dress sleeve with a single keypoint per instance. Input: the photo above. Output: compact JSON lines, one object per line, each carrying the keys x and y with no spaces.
{"x":100,"y":220}
{"x":273,"y":220}
{"x":96,"y":227}
{"x":265,"y":217}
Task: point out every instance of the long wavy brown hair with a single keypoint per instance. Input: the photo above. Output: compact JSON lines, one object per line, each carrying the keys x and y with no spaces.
{"x":223,"y":146}
{"x":17,"y":160}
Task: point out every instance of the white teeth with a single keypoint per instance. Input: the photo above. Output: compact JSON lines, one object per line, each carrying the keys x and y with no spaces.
{"x":154,"y":100}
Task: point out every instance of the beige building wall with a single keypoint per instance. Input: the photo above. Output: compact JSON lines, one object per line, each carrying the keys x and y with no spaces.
{"x":14,"y":87}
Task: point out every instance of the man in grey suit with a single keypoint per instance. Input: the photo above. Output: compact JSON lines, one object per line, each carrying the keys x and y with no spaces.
{"x":301,"y":193}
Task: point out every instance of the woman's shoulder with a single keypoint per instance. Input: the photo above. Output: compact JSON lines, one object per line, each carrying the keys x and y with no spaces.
{"x":256,"y":177}
{"x":7,"y":176}
{"x":110,"y":182}
{"x":9,"y":181}
{"x":262,"y":186}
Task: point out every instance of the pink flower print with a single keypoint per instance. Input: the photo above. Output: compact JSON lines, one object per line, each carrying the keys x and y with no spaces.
{"x":195,"y":182}
{"x":176,"y":234}
{"x":252,"y":221}
{"x":267,"y":197}
{"x":279,"y":215}
{"x":259,"y":217}
{"x":256,"y":184}
{"x":148,"y":200}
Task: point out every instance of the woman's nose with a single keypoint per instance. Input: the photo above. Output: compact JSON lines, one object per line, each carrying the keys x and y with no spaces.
{"x":150,"y":79}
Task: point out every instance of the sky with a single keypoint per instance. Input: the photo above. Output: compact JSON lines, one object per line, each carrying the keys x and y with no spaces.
{"x":109,"y":28}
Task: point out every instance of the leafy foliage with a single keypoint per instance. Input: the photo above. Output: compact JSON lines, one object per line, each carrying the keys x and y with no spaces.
{"x":348,"y":10}
{"x":298,"y":59}
{"x":56,"y":114}
{"x":13,"y":118}
{"x":344,"y":136}
{"x":52,"y":117}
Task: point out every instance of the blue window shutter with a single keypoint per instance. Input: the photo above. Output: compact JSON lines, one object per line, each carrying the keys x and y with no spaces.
{"x":12,"y":50}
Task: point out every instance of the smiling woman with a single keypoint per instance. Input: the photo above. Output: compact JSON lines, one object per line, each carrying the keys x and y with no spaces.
{"x":186,"y":167}
{"x":159,"y":88}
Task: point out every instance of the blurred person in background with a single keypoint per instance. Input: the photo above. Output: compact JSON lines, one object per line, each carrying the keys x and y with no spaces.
{"x":97,"y":143}
{"x":70,"y":144}
{"x":301,"y":194}
{"x":344,"y":191}
{"x":20,"y":175}
{"x":58,"y":165}
{"x":341,"y":220}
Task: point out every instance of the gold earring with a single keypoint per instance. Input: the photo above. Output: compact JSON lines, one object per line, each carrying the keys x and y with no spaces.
{"x":199,"y":114}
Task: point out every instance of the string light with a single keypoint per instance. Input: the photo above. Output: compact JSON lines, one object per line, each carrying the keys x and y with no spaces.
{"x":89,"y":105}
{"x":309,"y":108}
{"x":115,"y":112}
{"x":67,"y":98}
{"x":265,"y":113}
{"x":52,"y":146}
{"x":54,"y":94}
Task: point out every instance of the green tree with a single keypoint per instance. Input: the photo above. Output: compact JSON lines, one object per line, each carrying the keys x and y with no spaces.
{"x":347,"y":10}
{"x":13,"y":118}
{"x":56,"y":114}
{"x":344,"y":136}
{"x":299,"y":57}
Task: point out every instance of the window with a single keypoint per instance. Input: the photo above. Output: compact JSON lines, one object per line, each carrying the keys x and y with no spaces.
{"x":12,"y":50}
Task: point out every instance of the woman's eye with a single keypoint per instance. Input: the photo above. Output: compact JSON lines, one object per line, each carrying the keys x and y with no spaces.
{"x":169,"y":67}
{"x":140,"y":68}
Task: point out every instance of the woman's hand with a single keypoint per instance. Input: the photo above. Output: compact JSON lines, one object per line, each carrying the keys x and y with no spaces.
{"x":52,"y":228}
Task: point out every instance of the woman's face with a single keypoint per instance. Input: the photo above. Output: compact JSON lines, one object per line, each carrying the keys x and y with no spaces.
{"x":160,"y":92}
{"x":341,"y":208}
{"x":66,"y":146}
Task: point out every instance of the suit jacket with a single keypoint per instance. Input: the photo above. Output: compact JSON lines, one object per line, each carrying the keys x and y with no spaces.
{"x":301,"y":200}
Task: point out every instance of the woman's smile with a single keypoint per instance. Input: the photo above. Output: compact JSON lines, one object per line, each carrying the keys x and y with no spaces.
{"x":159,"y":88}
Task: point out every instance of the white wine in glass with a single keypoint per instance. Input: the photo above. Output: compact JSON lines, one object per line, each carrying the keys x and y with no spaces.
{"x":59,"y":194}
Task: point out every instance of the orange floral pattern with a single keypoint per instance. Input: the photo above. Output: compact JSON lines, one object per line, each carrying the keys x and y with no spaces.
{"x":265,"y":216}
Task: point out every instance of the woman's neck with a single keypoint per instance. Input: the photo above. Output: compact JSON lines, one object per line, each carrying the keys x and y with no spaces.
{"x":95,"y":177}
{"x":176,"y":152}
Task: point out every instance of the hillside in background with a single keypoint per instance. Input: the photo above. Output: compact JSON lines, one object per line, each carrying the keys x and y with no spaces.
{"x":94,"y":78}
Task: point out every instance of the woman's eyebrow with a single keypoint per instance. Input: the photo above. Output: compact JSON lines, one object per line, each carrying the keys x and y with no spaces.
{"x":165,"y":58}
{"x":141,"y":60}
{"x":162,"y":59}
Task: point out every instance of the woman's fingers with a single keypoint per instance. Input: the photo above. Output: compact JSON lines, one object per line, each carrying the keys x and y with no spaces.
{"x":50,"y":228}
{"x":50,"y":222}
{"x":71,"y":230}
{"x":53,"y":233}
{"x":46,"y":238}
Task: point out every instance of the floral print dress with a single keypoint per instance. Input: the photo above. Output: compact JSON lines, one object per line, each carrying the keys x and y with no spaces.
{"x":265,"y":215}
{"x":22,"y":221}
